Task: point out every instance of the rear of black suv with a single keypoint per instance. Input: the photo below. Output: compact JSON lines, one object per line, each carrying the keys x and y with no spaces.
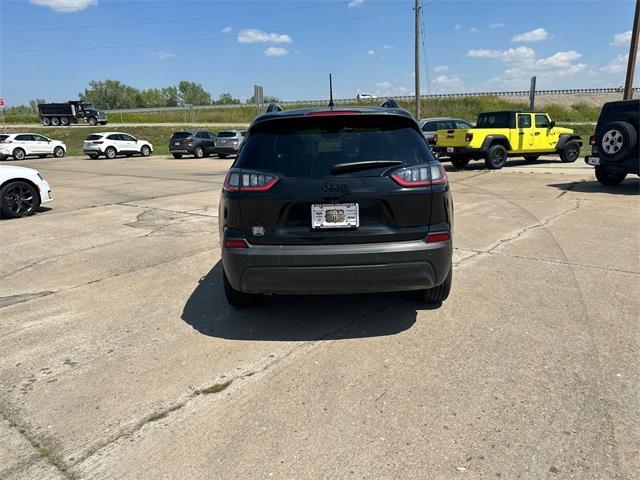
{"x":327,"y":201}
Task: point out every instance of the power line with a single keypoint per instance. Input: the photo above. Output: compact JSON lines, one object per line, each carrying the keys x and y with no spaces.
{"x":195,"y":40}
{"x":424,"y":50}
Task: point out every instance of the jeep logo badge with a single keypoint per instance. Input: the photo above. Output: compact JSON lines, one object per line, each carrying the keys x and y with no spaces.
{"x":335,"y":188}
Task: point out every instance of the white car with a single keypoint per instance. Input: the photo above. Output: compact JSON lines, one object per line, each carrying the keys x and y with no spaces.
{"x":111,"y":144}
{"x":22,"y":145}
{"x":22,"y":191}
{"x":366,"y":96}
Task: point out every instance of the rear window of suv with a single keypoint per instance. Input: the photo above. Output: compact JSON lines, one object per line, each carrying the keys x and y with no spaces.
{"x":94,"y":137}
{"x":3,"y":137}
{"x":495,"y":120}
{"x":309,"y":147}
{"x":227,"y":134}
{"x":179,"y":135}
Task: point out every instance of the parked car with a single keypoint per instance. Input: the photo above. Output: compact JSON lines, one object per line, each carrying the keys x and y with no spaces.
{"x":430,"y":126}
{"x":229,"y":142}
{"x":500,"y":135}
{"x":22,"y":191}
{"x":615,"y":150}
{"x":22,"y":145}
{"x":64,"y":114}
{"x":111,"y":144}
{"x":366,"y":96}
{"x":199,"y":143}
{"x":335,"y":200}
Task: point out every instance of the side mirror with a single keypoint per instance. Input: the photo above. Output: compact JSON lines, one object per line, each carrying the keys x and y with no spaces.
{"x":552,"y":124}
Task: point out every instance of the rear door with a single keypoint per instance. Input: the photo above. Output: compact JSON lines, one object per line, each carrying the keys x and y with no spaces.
{"x":526,"y":137}
{"x":27,"y":143}
{"x":303,"y":154}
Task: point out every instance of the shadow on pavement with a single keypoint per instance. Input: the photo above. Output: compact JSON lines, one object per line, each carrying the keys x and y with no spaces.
{"x":298,"y":318}
{"x":631,"y":186}
{"x":512,"y":162}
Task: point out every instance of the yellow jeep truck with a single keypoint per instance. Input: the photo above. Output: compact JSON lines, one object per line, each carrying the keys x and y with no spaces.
{"x":499,"y":135}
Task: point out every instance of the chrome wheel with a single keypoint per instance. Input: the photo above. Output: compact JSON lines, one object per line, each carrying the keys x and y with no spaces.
{"x":58,"y":152}
{"x":612,"y":141}
{"x":18,"y":154}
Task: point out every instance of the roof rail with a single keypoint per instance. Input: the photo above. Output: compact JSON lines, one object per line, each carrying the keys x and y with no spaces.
{"x":389,"y":103}
{"x":274,"y":107}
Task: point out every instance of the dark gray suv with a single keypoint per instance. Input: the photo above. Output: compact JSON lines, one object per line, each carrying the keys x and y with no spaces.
{"x":199,"y":143}
{"x":336,"y":200}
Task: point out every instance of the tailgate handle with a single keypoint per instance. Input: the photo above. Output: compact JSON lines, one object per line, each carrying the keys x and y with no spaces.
{"x":537,"y":133}
{"x":450,"y":131}
{"x":521,"y":133}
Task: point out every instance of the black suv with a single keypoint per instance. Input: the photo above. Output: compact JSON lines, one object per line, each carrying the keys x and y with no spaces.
{"x":199,"y":143}
{"x":615,"y":150}
{"x":335,"y":200}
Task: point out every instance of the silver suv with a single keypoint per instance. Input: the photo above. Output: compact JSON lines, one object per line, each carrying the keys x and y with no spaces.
{"x":229,"y":142}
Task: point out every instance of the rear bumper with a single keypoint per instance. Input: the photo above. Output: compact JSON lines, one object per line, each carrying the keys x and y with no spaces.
{"x":226,"y":150}
{"x":626,"y":165}
{"x":330,"y":269}
{"x":457,"y":150}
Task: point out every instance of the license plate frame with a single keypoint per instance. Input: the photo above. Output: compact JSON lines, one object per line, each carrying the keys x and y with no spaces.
{"x":593,"y":161}
{"x":321,"y":216}
{"x":450,"y":150}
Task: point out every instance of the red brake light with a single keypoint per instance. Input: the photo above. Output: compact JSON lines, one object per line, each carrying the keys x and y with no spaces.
{"x":420,"y":175}
{"x":592,"y":140}
{"x":5,"y":141}
{"x":330,"y":113}
{"x":438,"y":237}
{"x":97,"y":142}
{"x":246,"y":181}
{"x":468,"y":137}
{"x":235,"y":243}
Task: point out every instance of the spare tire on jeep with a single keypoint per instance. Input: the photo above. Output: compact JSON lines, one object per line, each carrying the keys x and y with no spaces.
{"x":616,"y":141}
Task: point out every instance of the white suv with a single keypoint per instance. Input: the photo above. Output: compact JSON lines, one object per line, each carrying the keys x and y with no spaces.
{"x":111,"y":144}
{"x":22,"y":145}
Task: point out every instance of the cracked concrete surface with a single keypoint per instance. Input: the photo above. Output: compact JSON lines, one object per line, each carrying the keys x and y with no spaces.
{"x":113,"y":324}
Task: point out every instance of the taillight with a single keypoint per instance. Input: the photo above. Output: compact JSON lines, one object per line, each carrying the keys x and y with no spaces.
{"x":246,"y":181}
{"x":420,"y":175}
{"x":468,"y":137}
{"x":236,"y":243}
{"x":97,"y":142}
{"x":436,"y":237}
{"x":5,"y":141}
{"x":435,"y":137}
{"x":592,"y":140}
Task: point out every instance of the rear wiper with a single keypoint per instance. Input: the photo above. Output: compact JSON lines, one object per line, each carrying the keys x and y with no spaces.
{"x":357,"y":166}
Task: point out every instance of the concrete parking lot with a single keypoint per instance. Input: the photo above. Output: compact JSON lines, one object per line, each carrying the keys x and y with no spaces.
{"x":119,"y":357}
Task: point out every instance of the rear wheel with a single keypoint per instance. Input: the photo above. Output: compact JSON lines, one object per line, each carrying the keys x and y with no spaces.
{"x":236,"y":298}
{"x":198,"y":152}
{"x":110,"y":152}
{"x":177,"y":155}
{"x":460,"y":162}
{"x":440,"y":293}
{"x":46,"y":121}
{"x":58,"y":152}
{"x":496,"y":157}
{"x":64,"y":121}
{"x":570,"y":152}
{"x":55,"y":121}
{"x":606,"y":177}
{"x":18,"y":199}
{"x":19,"y":154}
{"x":531,"y":158}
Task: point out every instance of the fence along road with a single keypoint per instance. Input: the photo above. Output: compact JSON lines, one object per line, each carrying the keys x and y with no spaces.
{"x":518,"y":93}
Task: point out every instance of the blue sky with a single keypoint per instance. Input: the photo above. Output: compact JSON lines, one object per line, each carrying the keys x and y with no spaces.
{"x":52,"y":48}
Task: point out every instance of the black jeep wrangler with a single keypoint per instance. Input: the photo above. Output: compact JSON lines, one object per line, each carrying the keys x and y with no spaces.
{"x":615,"y":142}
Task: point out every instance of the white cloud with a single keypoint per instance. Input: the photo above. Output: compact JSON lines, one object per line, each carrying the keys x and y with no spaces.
{"x":496,"y":25}
{"x":227,"y":29}
{"x":371,"y":52}
{"x":511,"y":55}
{"x":533,"y":36}
{"x":253,"y":35}
{"x":447,"y":83}
{"x":162,"y":56}
{"x":441,"y":69}
{"x":621,"y":39}
{"x":355,"y":3}
{"x":387,"y":47}
{"x":66,"y":6}
{"x":474,"y":30}
{"x":457,"y":27}
{"x":617,"y":65}
{"x":276,"y":52}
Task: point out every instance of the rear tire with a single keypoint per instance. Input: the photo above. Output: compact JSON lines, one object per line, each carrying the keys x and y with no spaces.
{"x":236,"y":298}
{"x":531,"y":158}
{"x":440,"y":293}
{"x":607,"y":178}
{"x":198,"y":152}
{"x":110,"y":152}
{"x":460,"y":162}
{"x":64,"y":121}
{"x":19,"y":154}
{"x":55,"y":121}
{"x":46,"y":121}
{"x":570,"y":152}
{"x":496,"y":157}
{"x":177,"y":156}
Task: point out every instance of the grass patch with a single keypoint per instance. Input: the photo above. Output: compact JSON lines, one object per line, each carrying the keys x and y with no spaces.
{"x":217,"y":388}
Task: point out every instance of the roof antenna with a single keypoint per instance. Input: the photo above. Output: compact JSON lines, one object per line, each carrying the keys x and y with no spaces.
{"x":331,"y":104}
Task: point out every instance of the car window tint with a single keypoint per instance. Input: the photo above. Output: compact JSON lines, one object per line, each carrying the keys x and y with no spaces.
{"x":226,"y":134}
{"x":308,"y":148}
{"x":93,"y":137}
{"x":494,"y":120}
{"x":3,"y":137}
{"x":180,"y":135}
{"x":40,"y":138}
{"x":24,"y":138}
{"x":114,"y":136}
{"x":542,"y":121}
{"x":202,"y":135}
{"x":524,"y":121}
{"x":462,"y":124}
{"x":212,"y":136}
{"x":127,"y":138}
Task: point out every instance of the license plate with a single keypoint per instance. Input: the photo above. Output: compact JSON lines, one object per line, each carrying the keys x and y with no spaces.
{"x":450,"y":150}
{"x":177,"y":143}
{"x":335,"y":215}
{"x":593,"y":161}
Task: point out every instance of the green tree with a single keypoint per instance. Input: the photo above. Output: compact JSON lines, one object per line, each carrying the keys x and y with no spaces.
{"x":111,"y":94}
{"x":193,"y":94}
{"x":267,"y":99}
{"x":227,"y":99}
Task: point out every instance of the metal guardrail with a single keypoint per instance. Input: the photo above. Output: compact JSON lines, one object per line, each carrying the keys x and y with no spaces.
{"x":518,"y":93}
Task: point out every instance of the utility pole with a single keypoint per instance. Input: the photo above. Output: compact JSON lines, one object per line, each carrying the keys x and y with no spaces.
{"x":417,"y":52}
{"x":633,"y":51}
